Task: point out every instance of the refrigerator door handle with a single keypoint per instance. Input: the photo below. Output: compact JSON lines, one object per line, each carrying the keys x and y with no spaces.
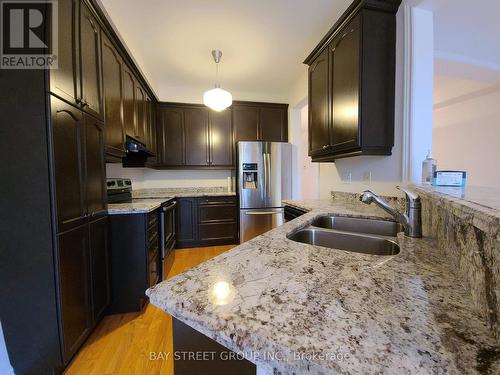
{"x":264,"y":170}
{"x":264,"y":213}
{"x":268,"y":174}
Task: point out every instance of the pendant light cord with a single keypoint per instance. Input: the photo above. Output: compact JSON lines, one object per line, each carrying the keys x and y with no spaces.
{"x":217,"y":85}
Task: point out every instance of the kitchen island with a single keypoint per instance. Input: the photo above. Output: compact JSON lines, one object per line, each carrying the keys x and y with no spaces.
{"x":293,"y":308}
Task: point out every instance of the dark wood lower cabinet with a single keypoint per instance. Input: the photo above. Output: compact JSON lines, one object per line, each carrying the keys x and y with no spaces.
{"x":83,"y":282}
{"x":135,"y":259}
{"x":187,"y":218}
{"x":207,"y":221}
{"x":100,"y":271}
{"x":220,"y":360}
{"x":74,"y":280}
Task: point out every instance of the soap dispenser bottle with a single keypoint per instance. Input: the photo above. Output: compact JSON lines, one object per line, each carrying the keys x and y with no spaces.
{"x":428,"y":169}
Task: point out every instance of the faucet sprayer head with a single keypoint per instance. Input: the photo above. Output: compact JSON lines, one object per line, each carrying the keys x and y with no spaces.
{"x":366,"y":197}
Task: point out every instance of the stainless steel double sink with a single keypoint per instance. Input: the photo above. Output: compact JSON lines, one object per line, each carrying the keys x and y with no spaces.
{"x":368,"y":236}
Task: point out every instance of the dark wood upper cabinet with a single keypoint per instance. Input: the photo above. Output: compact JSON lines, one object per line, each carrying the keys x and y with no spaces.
{"x":99,"y":267}
{"x":273,"y":124}
{"x":68,"y":153}
{"x":170,"y":130}
{"x":352,"y":83}
{"x":196,"y":136}
{"x":90,"y":62}
{"x":220,"y":138}
{"x":63,"y":80}
{"x":245,"y":122}
{"x":192,"y":136}
{"x":260,"y":122}
{"x":129,"y":111}
{"x":95,"y":168}
{"x":74,"y":283}
{"x":318,"y":105}
{"x":151,"y":143}
{"x":345,"y":87}
{"x":112,"y":92}
{"x":140,"y":99}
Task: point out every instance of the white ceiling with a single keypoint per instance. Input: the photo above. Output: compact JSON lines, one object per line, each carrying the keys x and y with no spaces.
{"x":466,"y":30}
{"x":263,"y":42}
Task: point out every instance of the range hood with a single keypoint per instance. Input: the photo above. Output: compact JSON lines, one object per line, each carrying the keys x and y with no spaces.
{"x":137,"y":153}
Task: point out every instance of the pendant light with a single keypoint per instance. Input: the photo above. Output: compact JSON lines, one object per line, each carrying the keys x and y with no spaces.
{"x":217,"y":99}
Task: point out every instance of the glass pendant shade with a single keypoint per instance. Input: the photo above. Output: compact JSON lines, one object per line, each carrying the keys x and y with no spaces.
{"x":217,"y":99}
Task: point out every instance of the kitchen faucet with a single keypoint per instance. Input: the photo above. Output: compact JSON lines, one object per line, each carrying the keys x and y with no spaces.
{"x":411,"y":219}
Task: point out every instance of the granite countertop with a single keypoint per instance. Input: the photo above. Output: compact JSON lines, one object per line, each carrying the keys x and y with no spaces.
{"x":137,"y":206}
{"x":147,"y":200}
{"x":182,"y":192}
{"x":293,"y":308}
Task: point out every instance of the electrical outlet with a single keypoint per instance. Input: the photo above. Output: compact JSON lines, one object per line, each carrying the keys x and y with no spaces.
{"x":367,"y":177}
{"x":347,"y":178}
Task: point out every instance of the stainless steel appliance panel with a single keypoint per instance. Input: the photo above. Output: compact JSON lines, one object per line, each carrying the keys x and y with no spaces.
{"x":251,"y":174}
{"x":264,"y":174}
{"x":254,"y":222}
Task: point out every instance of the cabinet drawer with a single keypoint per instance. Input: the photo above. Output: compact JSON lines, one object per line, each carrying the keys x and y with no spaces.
{"x":214,"y":212}
{"x":153,"y":244}
{"x":152,"y":233}
{"x":153,"y":219}
{"x":218,"y":231}
{"x":217,"y":200}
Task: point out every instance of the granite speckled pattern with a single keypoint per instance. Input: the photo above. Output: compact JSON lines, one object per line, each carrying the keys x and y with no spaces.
{"x":329,"y":311}
{"x":467,"y":234}
{"x":137,"y":206}
{"x":182,"y":192}
{"x":147,"y":200}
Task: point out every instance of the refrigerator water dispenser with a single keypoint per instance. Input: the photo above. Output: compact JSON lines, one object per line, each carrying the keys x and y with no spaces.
{"x":249,"y":176}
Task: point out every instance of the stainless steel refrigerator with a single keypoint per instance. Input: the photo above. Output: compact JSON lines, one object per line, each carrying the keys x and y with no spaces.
{"x":264,"y":179}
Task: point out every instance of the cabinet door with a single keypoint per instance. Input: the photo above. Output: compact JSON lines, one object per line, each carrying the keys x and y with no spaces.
{"x":318,"y":105}
{"x":63,"y":80}
{"x":196,"y":136}
{"x":151,"y":126}
{"x":95,"y":173}
{"x":129,"y":113}
{"x":273,"y":124}
{"x":171,"y":133}
{"x":74,"y":286}
{"x":99,"y":267}
{"x":112,"y":91}
{"x":187,"y":221}
{"x":67,"y":140}
{"x":345,"y":76}
{"x":221,"y":138}
{"x":90,"y":62}
{"x":246,"y":123}
{"x":140,"y":103}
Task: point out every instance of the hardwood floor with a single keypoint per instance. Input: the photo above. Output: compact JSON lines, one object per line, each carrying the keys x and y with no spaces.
{"x":122,"y":343}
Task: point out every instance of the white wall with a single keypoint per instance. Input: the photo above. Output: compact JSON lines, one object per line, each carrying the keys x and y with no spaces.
{"x":145,"y":178}
{"x":466,"y":133}
{"x":5,"y":367}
